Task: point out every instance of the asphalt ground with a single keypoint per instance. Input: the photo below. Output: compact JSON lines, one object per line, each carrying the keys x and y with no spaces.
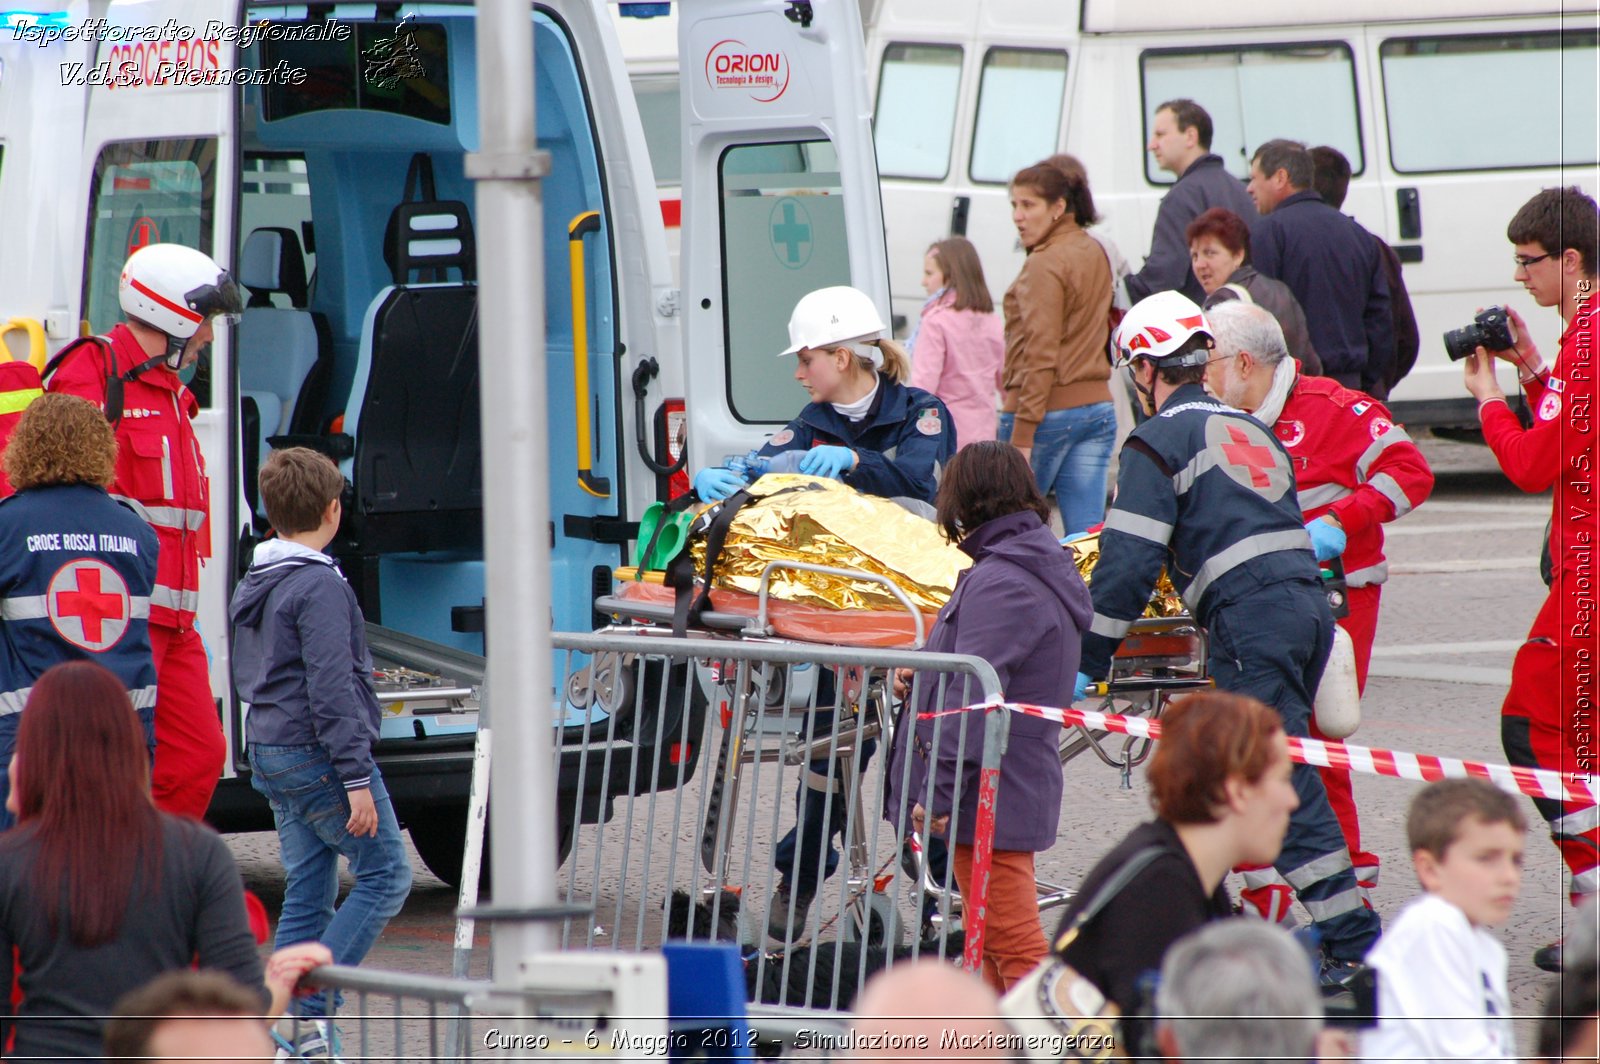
{"x":1463,"y":589}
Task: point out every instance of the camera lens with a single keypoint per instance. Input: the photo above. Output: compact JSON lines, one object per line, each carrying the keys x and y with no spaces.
{"x":1459,"y":343}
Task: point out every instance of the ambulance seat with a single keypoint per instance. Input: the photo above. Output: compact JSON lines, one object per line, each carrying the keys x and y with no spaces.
{"x":414,"y":412}
{"x":284,"y":352}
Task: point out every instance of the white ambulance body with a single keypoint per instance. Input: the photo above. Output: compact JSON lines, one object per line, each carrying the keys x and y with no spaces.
{"x":1452,"y":113}
{"x":319,"y":151}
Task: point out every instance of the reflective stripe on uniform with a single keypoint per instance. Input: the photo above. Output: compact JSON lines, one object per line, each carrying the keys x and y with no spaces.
{"x":12,"y":702}
{"x":1256,"y":878}
{"x":35,"y":608}
{"x":1367,"y":574}
{"x":1395,"y":434}
{"x":1579,"y":823}
{"x":1138,"y":525}
{"x":174,"y":517}
{"x":1322,"y":495}
{"x":17,"y":401}
{"x":163,"y":597}
{"x":1109,"y":627}
{"x":1585,"y":882}
{"x":1321,"y":909}
{"x":1184,"y":479}
{"x":1250,"y":547}
{"x":1390,"y":489}
{"x":1315,"y":871}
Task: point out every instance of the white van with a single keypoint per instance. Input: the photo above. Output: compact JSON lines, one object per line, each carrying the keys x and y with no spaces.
{"x":1452,"y":113}
{"x":321,"y":151}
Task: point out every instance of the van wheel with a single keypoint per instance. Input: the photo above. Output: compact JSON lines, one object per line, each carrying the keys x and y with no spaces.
{"x":440,"y":837}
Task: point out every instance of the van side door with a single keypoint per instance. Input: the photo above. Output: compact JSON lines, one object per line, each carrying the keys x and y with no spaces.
{"x":780,"y":197}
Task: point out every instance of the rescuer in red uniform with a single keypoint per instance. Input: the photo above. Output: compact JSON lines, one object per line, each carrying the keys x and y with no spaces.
{"x":1354,"y":469}
{"x":170,"y":294}
{"x":1547,"y":719}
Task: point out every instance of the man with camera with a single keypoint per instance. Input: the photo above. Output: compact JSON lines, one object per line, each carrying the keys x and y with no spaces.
{"x":1547,"y":719}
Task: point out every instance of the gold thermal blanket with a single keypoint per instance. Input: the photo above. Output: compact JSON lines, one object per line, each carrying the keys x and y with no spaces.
{"x":1164,"y":601}
{"x":824,"y":522}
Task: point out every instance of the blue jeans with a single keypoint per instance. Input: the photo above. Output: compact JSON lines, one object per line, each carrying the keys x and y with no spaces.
{"x":311,"y":810}
{"x":8,"y":746}
{"x":1071,"y":453}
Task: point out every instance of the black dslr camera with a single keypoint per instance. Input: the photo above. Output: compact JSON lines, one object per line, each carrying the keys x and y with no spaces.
{"x":1490,"y":330}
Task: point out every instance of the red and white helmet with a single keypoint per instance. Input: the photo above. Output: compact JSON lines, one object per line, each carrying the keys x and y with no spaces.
{"x":1158,"y":327}
{"x":174,"y":289}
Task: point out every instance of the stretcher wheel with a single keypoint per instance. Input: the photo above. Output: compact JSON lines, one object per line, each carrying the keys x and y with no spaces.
{"x":877,"y":916}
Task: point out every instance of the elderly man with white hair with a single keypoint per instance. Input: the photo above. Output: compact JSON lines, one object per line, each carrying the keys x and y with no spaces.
{"x":1355,"y":470}
{"x":1242,"y":992}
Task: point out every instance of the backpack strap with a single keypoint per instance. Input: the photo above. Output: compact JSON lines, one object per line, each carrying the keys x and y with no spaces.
{"x":114,"y":380}
{"x":1113,"y":886}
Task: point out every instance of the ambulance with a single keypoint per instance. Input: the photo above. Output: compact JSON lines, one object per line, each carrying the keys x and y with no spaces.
{"x":321,"y":151}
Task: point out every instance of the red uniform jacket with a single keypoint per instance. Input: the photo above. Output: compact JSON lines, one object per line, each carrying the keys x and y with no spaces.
{"x":159,"y":465}
{"x":1559,"y":449}
{"x":1351,"y":460}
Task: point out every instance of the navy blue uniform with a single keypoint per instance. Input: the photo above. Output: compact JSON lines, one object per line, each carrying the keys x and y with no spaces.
{"x":901,"y":446}
{"x":1208,"y":492}
{"x":76,"y":571}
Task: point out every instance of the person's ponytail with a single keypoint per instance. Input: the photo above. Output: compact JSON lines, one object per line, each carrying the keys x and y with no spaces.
{"x":896,"y":363}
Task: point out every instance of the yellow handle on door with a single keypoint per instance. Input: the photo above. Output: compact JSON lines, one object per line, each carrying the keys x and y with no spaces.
{"x":580,"y":226}
{"x":36,"y":346}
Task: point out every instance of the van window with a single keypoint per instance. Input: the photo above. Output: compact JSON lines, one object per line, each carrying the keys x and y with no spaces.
{"x":1019,"y":111}
{"x":915,"y":117}
{"x":1257,"y":94}
{"x":275,"y":193}
{"x":657,"y":98}
{"x":1450,"y":109}
{"x":144,"y":192}
{"x":783,"y":234}
{"x":398,"y":67}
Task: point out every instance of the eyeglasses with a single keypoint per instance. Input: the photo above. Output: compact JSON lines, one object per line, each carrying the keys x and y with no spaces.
{"x":1223,"y":358}
{"x":1524,"y":261}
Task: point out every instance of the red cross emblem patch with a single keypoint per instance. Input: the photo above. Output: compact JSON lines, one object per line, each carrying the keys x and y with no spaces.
{"x":1244,"y":450}
{"x":88,"y":604}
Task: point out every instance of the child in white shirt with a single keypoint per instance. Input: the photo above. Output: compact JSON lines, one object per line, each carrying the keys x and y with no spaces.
{"x":1441,"y":974}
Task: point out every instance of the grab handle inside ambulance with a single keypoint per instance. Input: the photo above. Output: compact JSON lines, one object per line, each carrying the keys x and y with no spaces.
{"x":35,"y":331}
{"x":582,"y":225}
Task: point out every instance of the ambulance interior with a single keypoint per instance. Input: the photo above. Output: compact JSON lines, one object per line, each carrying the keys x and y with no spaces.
{"x":358,"y":257}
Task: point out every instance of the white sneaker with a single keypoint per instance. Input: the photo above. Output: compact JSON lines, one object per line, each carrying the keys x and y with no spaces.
{"x":315,"y":1041}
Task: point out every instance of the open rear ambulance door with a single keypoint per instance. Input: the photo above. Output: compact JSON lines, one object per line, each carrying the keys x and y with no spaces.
{"x":780,"y":197}
{"x":159,"y":166}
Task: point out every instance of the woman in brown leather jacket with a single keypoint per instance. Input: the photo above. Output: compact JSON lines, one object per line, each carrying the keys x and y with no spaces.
{"x":1057,"y":408}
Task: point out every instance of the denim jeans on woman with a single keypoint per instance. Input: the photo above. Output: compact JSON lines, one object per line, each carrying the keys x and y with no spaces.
{"x":311,"y":810}
{"x":1071,"y":453}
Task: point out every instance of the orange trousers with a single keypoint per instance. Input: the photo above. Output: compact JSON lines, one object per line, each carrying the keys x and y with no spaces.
{"x":1013,"y":938}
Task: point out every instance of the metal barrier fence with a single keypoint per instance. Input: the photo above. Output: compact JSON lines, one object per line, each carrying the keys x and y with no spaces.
{"x":389,"y":1016}
{"x":703,"y":803}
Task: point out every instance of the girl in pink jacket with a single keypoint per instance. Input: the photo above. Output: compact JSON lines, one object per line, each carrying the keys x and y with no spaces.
{"x":959,"y":345}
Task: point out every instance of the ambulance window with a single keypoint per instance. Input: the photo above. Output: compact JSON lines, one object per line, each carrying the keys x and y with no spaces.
{"x":915,"y":119}
{"x":1450,"y":109}
{"x":1019,"y":111}
{"x":398,"y":67}
{"x":1257,"y":94}
{"x":657,"y":98}
{"x":275,"y":193}
{"x":144,"y":192}
{"x":783,"y":234}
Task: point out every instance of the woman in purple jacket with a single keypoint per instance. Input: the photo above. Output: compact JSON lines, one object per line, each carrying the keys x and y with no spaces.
{"x":1021,"y":607}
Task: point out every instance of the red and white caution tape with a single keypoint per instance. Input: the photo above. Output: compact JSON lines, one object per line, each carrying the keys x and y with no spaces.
{"x":1536,"y":783}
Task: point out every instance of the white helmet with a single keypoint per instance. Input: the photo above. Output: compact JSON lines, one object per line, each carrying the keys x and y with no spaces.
{"x":1159,"y":326}
{"x":832,"y":317}
{"x":174,"y":289}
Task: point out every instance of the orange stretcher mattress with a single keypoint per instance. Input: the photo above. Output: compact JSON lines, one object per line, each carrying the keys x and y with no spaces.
{"x":793,"y":620}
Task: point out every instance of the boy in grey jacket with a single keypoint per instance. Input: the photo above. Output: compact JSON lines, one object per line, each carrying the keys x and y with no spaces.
{"x":301,"y":662}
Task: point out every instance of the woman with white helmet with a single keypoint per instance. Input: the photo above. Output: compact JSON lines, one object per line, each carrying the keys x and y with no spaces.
{"x":171,"y":295}
{"x":868,"y":428}
{"x":864,"y":425}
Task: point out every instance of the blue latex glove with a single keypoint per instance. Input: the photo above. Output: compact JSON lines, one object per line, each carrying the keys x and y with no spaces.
{"x":1327,"y":539}
{"x":1080,"y":689}
{"x":827,"y":461}
{"x":713,"y":484}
